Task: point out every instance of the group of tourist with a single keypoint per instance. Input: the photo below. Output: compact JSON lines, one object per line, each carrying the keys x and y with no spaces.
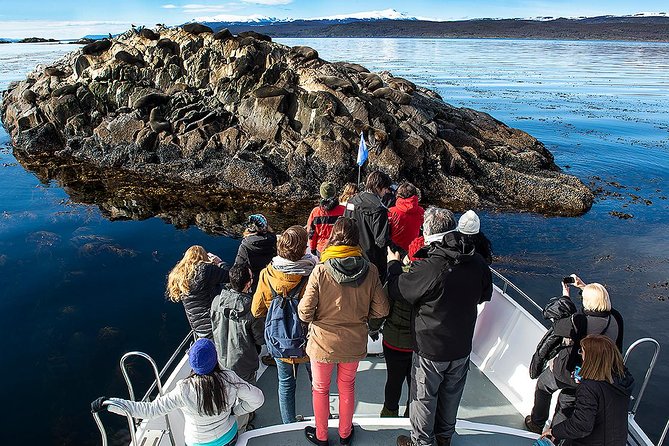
{"x":370,"y":262}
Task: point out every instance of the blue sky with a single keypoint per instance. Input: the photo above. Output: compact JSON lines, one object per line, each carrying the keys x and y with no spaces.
{"x":69,"y":18}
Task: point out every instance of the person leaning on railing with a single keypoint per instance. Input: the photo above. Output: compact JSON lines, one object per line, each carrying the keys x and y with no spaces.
{"x":210,"y":399}
{"x":596,"y":317}
{"x":603,"y":393}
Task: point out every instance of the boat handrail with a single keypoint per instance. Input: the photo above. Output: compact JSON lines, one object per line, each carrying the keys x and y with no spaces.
{"x":131,"y":422}
{"x":664,"y":434}
{"x":156,"y":383}
{"x":508,"y":283}
{"x":168,"y":364}
{"x":649,"y":370}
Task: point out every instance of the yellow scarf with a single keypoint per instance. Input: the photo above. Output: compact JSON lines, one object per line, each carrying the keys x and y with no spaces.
{"x":339,"y":252}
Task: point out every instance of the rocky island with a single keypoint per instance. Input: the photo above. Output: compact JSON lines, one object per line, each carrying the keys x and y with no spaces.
{"x":197,"y":110}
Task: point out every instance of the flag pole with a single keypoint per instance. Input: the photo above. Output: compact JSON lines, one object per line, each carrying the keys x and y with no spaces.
{"x":359,"y":168}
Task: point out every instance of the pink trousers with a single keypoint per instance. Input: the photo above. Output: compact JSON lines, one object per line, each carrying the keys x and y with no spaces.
{"x":322,"y":373}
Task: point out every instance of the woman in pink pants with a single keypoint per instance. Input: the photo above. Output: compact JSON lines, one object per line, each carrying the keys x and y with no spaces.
{"x":343,"y":292}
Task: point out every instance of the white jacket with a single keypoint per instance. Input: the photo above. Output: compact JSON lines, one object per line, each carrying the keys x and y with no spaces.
{"x":241,"y":398}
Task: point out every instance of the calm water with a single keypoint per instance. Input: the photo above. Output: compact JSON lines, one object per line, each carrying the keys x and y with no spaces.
{"x":79,"y":290}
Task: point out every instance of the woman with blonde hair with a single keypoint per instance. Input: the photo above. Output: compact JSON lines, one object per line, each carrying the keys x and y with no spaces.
{"x":599,"y":417}
{"x":569,"y":328}
{"x":350,"y":189}
{"x":343,"y":293}
{"x":195,"y":280}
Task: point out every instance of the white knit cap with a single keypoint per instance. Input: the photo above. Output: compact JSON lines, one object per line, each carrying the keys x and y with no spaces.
{"x":469,"y":223}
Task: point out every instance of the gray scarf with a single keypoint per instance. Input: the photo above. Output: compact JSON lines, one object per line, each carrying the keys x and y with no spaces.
{"x":302,"y":267}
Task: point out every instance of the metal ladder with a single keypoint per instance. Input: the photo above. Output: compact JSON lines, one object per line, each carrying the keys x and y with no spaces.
{"x":649,"y":371}
{"x":157,"y":384}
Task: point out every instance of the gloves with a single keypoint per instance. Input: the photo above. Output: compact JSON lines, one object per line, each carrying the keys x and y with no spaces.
{"x":374,"y":335}
{"x":96,"y":405}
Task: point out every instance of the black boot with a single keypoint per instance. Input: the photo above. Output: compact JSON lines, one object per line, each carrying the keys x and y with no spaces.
{"x":310,"y":433}
{"x":348,"y":440}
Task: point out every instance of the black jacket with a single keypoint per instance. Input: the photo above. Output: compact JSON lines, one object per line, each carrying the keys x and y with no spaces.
{"x":256,"y":251}
{"x":206,"y":285}
{"x":577,"y":327}
{"x":371,"y":217}
{"x":557,"y":308}
{"x":444,"y":290}
{"x":600,"y":414}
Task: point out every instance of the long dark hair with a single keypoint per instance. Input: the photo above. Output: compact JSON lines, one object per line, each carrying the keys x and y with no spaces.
{"x":344,"y":232}
{"x":210,"y":391}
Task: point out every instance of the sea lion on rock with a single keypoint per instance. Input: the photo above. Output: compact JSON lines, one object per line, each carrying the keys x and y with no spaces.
{"x":29,"y":96}
{"x":353,"y":67}
{"x":168,"y":45}
{"x":269,"y":91}
{"x":54,"y":71}
{"x":149,"y":34}
{"x":126,"y":57}
{"x":401,"y":84}
{"x":65,"y":89}
{"x":96,"y":48}
{"x":157,"y":123}
{"x":371,"y":80}
{"x":151,"y":100}
{"x":305,"y":52}
{"x":81,"y":64}
{"x":223,"y":34}
{"x":393,"y":95}
{"x":255,"y":35}
{"x":197,"y":28}
{"x":335,"y":83}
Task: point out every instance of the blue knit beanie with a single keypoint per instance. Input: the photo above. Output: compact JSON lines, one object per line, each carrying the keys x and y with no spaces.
{"x":202,"y":356}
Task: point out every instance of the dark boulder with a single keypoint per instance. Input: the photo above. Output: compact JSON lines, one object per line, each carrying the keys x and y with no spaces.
{"x":255,"y":35}
{"x":223,"y":34}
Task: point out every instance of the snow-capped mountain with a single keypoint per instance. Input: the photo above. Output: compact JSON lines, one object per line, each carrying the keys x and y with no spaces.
{"x":260,"y":20}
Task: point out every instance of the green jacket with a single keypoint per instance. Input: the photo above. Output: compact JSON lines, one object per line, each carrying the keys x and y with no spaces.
{"x":397,"y":327}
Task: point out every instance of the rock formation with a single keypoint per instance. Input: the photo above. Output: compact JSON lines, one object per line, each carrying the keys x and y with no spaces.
{"x":243,"y":113}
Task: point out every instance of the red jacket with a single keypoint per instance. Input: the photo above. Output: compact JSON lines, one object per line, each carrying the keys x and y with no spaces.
{"x":319,"y":225}
{"x":406,"y":218}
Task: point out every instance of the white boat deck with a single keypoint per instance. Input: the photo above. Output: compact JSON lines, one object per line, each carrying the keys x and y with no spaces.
{"x":497,"y":396}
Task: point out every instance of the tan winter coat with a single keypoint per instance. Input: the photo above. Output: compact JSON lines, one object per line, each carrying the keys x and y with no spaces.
{"x":338,"y":314}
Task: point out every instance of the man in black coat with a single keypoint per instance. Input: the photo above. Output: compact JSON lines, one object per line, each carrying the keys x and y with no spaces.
{"x":371,"y":217}
{"x":444,"y":289}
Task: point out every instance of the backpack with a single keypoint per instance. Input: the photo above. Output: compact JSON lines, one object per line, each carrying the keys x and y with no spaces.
{"x":285,"y":333}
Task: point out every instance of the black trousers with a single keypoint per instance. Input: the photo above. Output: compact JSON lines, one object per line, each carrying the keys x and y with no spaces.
{"x":546,"y":386}
{"x":398,"y":368}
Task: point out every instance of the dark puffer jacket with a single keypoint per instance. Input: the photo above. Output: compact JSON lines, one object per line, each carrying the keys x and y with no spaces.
{"x":445,"y":290}
{"x":256,"y":252}
{"x":206,"y":284}
{"x":600,"y":414}
{"x":549,"y":346}
{"x":371,"y":217}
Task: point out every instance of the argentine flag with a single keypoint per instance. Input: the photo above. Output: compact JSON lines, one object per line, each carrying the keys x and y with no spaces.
{"x":362,"y":151}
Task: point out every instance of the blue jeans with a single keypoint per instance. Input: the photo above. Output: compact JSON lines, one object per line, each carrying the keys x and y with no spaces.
{"x":435,"y":397}
{"x":287,"y":374}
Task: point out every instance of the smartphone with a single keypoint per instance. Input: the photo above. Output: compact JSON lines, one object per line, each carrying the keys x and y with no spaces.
{"x":568,"y":279}
{"x":577,"y":374}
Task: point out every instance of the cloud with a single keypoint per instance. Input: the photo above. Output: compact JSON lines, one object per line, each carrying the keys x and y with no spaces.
{"x":194,"y":8}
{"x":19,"y":29}
{"x":169,"y":6}
{"x":269,"y":2}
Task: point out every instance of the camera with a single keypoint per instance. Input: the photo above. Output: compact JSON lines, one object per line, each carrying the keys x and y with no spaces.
{"x":568,"y":280}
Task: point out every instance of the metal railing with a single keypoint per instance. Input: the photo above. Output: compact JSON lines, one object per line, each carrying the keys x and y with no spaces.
{"x":664,"y":434}
{"x":157,"y":384}
{"x":131,"y":422}
{"x":649,"y":371}
{"x":508,"y":284}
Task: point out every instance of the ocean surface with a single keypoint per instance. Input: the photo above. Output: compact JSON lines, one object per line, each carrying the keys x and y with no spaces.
{"x":78,"y":290}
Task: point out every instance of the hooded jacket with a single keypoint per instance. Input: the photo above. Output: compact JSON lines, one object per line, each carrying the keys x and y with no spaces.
{"x":557,"y":308}
{"x":320,"y":223}
{"x":236,"y":332}
{"x":600,"y":414}
{"x":341,"y":296}
{"x":262,"y":298}
{"x":204,"y":286}
{"x":372,"y":220}
{"x":406,"y":218}
{"x":256,"y":251}
{"x":444,"y":290}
